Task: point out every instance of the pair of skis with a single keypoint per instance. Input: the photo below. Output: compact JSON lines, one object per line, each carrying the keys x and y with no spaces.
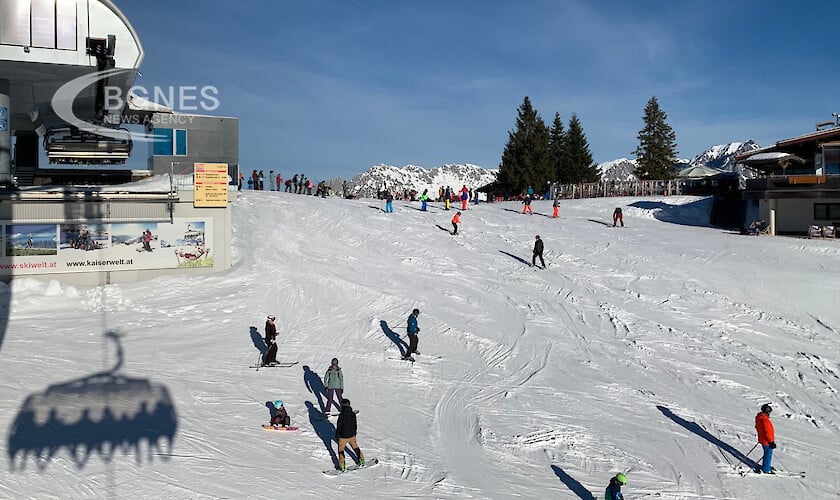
{"x":279,"y":364}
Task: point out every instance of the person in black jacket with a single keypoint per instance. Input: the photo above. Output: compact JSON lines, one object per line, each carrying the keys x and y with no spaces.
{"x":345,"y":433}
{"x":538,"y":251}
{"x":270,"y":341}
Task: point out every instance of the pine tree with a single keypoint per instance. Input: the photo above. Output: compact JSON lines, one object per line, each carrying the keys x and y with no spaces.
{"x":579,"y":165}
{"x":656,"y":153}
{"x":557,"y":150}
{"x":525,"y":160}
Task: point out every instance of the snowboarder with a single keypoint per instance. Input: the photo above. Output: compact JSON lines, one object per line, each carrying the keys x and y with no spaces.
{"x":334,"y":383}
{"x":617,"y":217}
{"x":345,"y":433}
{"x":270,"y":341}
{"x":412,"y":329}
{"x":423,"y":199}
{"x":556,"y":206}
{"x":538,"y":252}
{"x":281,"y":417}
{"x":766,"y":437}
{"x":455,"y":221}
{"x":527,"y":207}
{"x":614,"y":489}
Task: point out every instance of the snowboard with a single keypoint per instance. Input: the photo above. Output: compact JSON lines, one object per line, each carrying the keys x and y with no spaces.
{"x":350,"y":468}
{"x":271,"y":428}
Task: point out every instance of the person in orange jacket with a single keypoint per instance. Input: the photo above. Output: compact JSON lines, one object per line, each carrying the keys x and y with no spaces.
{"x":766,"y":437}
{"x":455,"y":221}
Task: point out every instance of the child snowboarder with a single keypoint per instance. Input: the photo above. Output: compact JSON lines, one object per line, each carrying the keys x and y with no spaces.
{"x":281,"y":417}
{"x":345,"y":433}
{"x":614,"y":489}
{"x":455,"y":221}
{"x":334,"y":383}
{"x":766,"y":437}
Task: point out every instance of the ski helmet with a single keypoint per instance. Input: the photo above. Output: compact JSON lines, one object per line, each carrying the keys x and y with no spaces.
{"x":278,"y":403}
{"x":345,"y":402}
{"x":766,"y":408}
{"x":621,"y":478}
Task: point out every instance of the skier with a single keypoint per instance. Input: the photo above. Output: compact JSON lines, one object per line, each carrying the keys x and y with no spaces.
{"x":389,"y":202}
{"x":766,"y":437}
{"x":334,"y":383}
{"x":423,"y":199}
{"x":464,"y":196}
{"x":455,"y":221}
{"x":261,"y":178}
{"x":617,"y":217}
{"x":527,"y":207}
{"x":345,"y":433}
{"x":271,"y":179}
{"x":412,"y":329}
{"x":270,"y":341}
{"x":614,"y":489}
{"x":279,"y":181}
{"x":281,"y":417}
{"x":538,"y":252}
{"x":447,"y":197}
{"x":556,"y":206}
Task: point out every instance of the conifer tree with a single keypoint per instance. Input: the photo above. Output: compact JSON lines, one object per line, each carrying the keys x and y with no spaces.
{"x":557,"y":150}
{"x":656,"y":153}
{"x":578,"y":157}
{"x":525,"y":160}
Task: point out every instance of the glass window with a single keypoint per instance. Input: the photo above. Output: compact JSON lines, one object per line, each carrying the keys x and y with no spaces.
{"x":43,"y":24}
{"x":181,"y":142}
{"x":66,"y":24}
{"x":163,"y":142}
{"x":827,"y":211}
{"x":15,"y":22}
{"x":831,"y":160}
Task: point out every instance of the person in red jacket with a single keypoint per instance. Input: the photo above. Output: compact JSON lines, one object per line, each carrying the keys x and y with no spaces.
{"x":455,"y":221}
{"x":766,"y":437}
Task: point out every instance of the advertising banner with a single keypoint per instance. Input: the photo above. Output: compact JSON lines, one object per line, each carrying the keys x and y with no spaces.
{"x":69,"y":248}
{"x":210,"y":184}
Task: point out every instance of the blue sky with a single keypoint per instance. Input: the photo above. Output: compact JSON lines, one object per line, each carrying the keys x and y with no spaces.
{"x":331,"y":87}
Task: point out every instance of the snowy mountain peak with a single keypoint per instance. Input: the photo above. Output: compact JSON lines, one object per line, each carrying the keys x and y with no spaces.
{"x":722,"y":156}
{"x":381,"y":176}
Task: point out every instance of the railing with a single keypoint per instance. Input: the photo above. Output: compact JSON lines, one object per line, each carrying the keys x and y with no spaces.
{"x":605,"y":189}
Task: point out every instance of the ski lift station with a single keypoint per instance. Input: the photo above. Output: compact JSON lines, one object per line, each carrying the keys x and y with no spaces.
{"x":70,"y":208}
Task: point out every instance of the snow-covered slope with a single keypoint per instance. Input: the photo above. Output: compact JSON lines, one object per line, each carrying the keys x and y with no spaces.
{"x":369,"y":183}
{"x":646,"y":349}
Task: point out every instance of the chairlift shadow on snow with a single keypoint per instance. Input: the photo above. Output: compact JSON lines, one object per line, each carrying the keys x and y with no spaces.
{"x":598,"y":222}
{"x":703,"y":433}
{"x":394,"y":337}
{"x":520,"y":259}
{"x":573,"y":484}
{"x":315,"y":385}
{"x":99,"y":413}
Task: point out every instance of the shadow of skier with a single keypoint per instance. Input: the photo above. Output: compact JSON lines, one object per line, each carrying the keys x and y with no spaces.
{"x":394,"y":337}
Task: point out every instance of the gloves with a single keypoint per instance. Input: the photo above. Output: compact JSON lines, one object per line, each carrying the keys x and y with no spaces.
{"x":772,"y":445}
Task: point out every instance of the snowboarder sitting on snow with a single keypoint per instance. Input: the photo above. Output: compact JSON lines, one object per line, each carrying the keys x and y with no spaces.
{"x":412,"y":330}
{"x":281,"y":417}
{"x":270,"y":341}
{"x":766,"y":437}
{"x":614,"y":489}
{"x":334,"y":383}
{"x":345,"y":433}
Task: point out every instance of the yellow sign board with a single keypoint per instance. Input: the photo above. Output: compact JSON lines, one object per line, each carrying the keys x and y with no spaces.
{"x":210,"y":181}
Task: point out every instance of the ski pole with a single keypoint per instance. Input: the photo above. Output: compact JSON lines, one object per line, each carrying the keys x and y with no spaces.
{"x":751,"y":450}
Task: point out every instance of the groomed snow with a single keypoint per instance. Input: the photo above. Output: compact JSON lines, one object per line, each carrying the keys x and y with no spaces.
{"x":645,"y":349}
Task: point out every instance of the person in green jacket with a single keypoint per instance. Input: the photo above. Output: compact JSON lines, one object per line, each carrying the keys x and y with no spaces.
{"x":334,"y":382}
{"x":423,"y":199}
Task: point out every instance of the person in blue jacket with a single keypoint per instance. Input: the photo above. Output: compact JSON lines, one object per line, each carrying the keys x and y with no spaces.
{"x":412,"y":331}
{"x":614,"y":489}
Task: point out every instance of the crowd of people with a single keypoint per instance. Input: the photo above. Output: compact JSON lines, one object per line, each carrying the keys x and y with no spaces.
{"x":298,"y":184}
